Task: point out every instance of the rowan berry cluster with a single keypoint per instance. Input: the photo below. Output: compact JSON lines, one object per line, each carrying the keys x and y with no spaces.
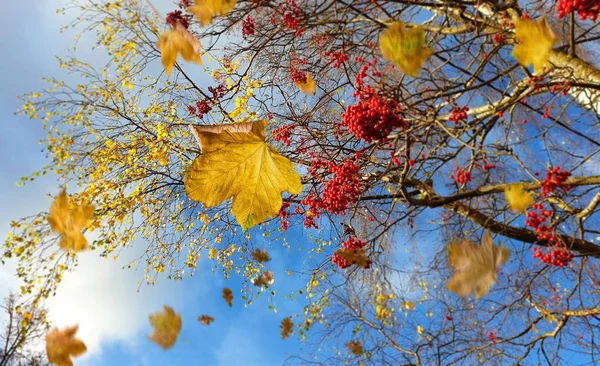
{"x":336,"y":58}
{"x":343,"y":189}
{"x":349,"y":244}
{"x":461,"y":176}
{"x":291,"y":17}
{"x":298,"y":76}
{"x":536,"y":219}
{"x":284,"y":215}
{"x":177,"y":16}
{"x":315,"y":205}
{"x":248,"y":27}
{"x":498,"y":38}
{"x":200,"y":110}
{"x":555,"y":179}
{"x":284,"y":133}
{"x":457,"y":115}
{"x":584,"y":8}
{"x":372,"y":119}
{"x":557,"y":257}
{"x":185,"y":3}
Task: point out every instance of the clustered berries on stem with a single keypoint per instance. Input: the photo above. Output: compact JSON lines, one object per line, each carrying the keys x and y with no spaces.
{"x":336,"y":58}
{"x":248,"y":27}
{"x":343,"y":189}
{"x":291,"y":16}
{"x":284,"y":133}
{"x":555,"y":179}
{"x":457,"y":115}
{"x":298,"y":76}
{"x":177,"y":16}
{"x":350,"y":244}
{"x":461,"y":176}
{"x":584,"y":8}
{"x":203,"y":107}
{"x":372,"y":119}
{"x":284,"y":215}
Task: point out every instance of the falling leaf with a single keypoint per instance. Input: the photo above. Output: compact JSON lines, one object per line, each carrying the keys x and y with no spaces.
{"x":212,"y":253}
{"x":518,"y":199}
{"x":286,"y":327}
{"x":206,"y":10}
{"x":178,"y":41}
{"x":227,"y":296}
{"x":167,"y":326}
{"x":355,"y":347}
{"x":309,"y":87}
{"x":356,"y":256}
{"x":535,"y":42}
{"x":205,"y":319}
{"x":475,"y":265}
{"x":61,"y":345}
{"x":236,"y":162}
{"x":69,"y":223}
{"x":260,"y":256}
{"x":408,"y":305}
{"x":265,"y":279}
{"x":404,"y":48}
{"x":420,"y":331}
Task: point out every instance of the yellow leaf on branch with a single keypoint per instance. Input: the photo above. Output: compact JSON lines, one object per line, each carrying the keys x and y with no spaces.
{"x":475,"y":265}
{"x":69,"y":223}
{"x":236,"y":162}
{"x":535,"y":42}
{"x":206,"y":10}
{"x":167,"y":326}
{"x":178,"y":41}
{"x":518,"y":199}
{"x":404,"y":48}
{"x":61,"y":345}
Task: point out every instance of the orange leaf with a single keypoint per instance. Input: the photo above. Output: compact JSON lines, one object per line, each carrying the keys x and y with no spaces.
{"x":61,"y":345}
{"x":167,"y":326}
{"x":227,"y":296}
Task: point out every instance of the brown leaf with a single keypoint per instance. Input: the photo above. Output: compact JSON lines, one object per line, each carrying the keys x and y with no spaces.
{"x":227,"y":296}
{"x":205,"y":319}
{"x":286,"y":327}
{"x":355,"y":347}
{"x":265,"y":279}
{"x":260,"y":256}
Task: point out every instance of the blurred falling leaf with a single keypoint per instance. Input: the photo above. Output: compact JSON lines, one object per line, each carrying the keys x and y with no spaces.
{"x":236,"y":162}
{"x":355,"y":347}
{"x":404,"y":48}
{"x":475,"y":265}
{"x":535,"y":42}
{"x":206,"y":10}
{"x":517,"y":198}
{"x":309,"y":87}
{"x":61,"y":345}
{"x":178,"y":41}
{"x":265,"y":279}
{"x":408,"y":305}
{"x":286,"y":327}
{"x":420,"y":331}
{"x":69,"y":223}
{"x":260,"y":256}
{"x":356,"y":256}
{"x":227,"y":296}
{"x":167,"y":326}
{"x":205,"y":319}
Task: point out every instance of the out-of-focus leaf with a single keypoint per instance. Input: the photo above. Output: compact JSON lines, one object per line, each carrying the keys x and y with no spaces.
{"x":227,"y":296}
{"x":517,"y":198}
{"x":61,"y":345}
{"x":69,"y":223}
{"x":206,"y":10}
{"x":167,"y":326}
{"x":535,"y":42}
{"x":406,"y":49}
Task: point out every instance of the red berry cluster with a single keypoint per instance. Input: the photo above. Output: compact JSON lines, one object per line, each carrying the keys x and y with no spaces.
{"x":492,"y":337}
{"x":458,"y":114}
{"x":536,"y":219}
{"x":248,"y":27}
{"x":584,"y":8}
{"x":336,"y":59}
{"x":555,"y":179}
{"x":564,"y":88}
{"x":218,"y":92}
{"x":350,"y":244}
{"x":200,"y":110}
{"x":498,"y":38}
{"x":557,"y":257}
{"x":177,"y":16}
{"x":185,"y":3}
{"x":362,"y":91}
{"x":284,"y":215}
{"x":284,"y":133}
{"x":315,"y":205}
{"x":372,"y":119}
{"x":343,"y":189}
{"x":298,"y":76}
{"x":291,"y":17}
{"x":316,"y":164}
{"x":462,"y":176}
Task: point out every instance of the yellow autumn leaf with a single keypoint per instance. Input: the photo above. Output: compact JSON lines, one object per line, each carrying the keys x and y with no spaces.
{"x":309,"y":87}
{"x":286,"y":327}
{"x":535,"y":42}
{"x":205,"y":319}
{"x":206,"y":10}
{"x":405,"y":48}
{"x":475,"y":265}
{"x":408,"y":305}
{"x":212,"y":253}
{"x":420,"y":331}
{"x":517,"y":198}
{"x":236,"y":162}
{"x":167,"y":326}
{"x":355,"y":347}
{"x":69,"y":223}
{"x":178,"y":41}
{"x":227,"y":296}
{"x":61,"y":345}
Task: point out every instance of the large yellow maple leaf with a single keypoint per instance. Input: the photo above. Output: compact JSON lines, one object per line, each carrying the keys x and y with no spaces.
{"x":236,"y":162}
{"x":475,"y":265}
{"x":178,"y":41}
{"x":517,"y":198}
{"x":61,"y":345}
{"x":167,"y":326}
{"x":69,"y":223}
{"x":535,"y":42}
{"x":206,"y":10}
{"x":404,"y":48}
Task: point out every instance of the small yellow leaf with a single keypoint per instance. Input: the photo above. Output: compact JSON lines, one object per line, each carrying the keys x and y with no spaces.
{"x":408,"y":305}
{"x":286,"y":327}
{"x":475,"y":265}
{"x":61,"y":345}
{"x":309,"y":87}
{"x":236,"y":162}
{"x":205,"y":319}
{"x":69,"y":223}
{"x":167,"y":326}
{"x":212,"y":253}
{"x":406,"y":49}
{"x":227,"y":296}
{"x":178,"y":41}
{"x":517,"y":198}
{"x":420,"y":331}
{"x":535,"y":42}
{"x":206,"y":10}
{"x":355,"y":347}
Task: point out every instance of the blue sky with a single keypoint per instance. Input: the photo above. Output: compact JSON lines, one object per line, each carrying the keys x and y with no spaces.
{"x":102,"y":298}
